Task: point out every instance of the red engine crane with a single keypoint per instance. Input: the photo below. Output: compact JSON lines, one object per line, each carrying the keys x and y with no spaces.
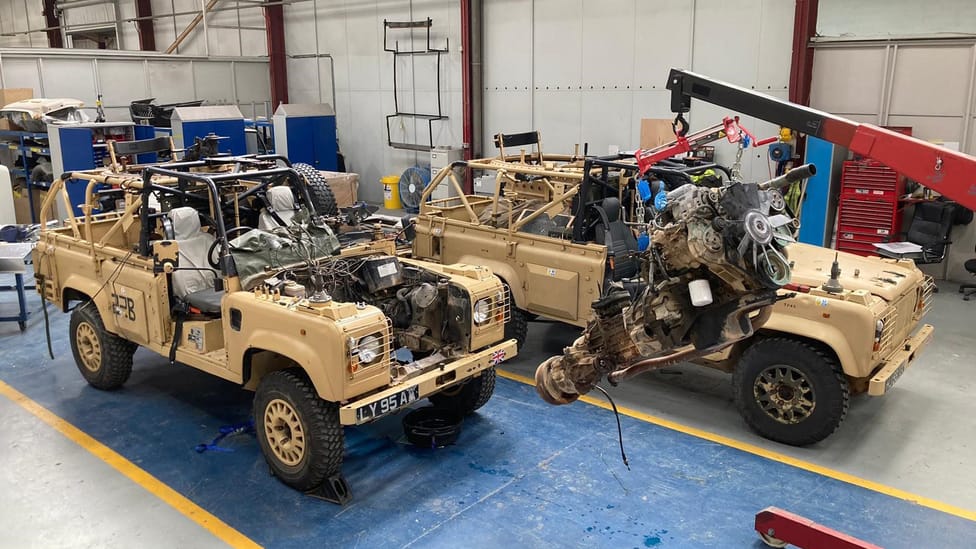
{"x":950,"y":173}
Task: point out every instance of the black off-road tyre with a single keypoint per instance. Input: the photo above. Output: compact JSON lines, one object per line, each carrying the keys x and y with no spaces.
{"x":299,"y":433}
{"x":103,"y":358}
{"x":323,"y":201}
{"x":465,"y":398}
{"x":518,"y":321}
{"x":775,"y":382}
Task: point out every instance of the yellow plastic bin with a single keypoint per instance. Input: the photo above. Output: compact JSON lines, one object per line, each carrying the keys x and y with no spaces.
{"x":391,"y":192}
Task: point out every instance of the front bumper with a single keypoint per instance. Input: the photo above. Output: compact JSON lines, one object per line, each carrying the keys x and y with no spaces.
{"x":434,"y":380}
{"x":899,"y":361}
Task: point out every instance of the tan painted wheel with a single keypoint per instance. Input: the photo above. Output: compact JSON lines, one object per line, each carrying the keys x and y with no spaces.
{"x":299,"y":433}
{"x":286,"y":435}
{"x":89,"y":348}
{"x":785,"y":394}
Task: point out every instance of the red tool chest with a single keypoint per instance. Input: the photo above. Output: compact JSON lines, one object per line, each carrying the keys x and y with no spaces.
{"x":869,"y":210}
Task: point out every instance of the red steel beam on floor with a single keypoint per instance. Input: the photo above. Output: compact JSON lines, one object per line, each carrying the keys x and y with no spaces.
{"x":147,"y":35}
{"x":53,"y":24}
{"x":777,"y":526}
{"x":274,"y":20}
{"x":801,"y":65}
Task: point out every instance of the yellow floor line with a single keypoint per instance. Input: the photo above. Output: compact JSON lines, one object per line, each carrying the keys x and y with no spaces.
{"x":173,"y":498}
{"x":769,"y":454}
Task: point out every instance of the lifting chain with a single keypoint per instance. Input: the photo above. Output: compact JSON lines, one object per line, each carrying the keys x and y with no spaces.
{"x":639,"y":210}
{"x":737,"y":165}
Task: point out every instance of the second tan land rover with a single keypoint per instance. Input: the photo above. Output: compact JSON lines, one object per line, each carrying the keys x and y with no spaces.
{"x":823,"y":340}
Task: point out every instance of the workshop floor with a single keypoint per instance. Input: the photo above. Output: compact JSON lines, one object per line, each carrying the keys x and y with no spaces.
{"x":80,"y":467}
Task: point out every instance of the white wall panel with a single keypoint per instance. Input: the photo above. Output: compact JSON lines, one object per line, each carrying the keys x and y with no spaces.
{"x":506,"y":111}
{"x":728,"y":38}
{"x":21,"y":73}
{"x":848,"y":80}
{"x":507,"y":44}
{"x":214,"y":82}
{"x":558,"y":117}
{"x":663,"y":34}
{"x":68,"y":78}
{"x":253,"y":82}
{"x":165,"y":78}
{"x":606,"y":119}
{"x":608,"y":49}
{"x":922,"y":85}
{"x":880,"y":18}
{"x":557,"y":44}
{"x":122,"y":75}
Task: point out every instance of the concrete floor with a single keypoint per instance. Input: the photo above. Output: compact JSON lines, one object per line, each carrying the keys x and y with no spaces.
{"x":919,"y":438}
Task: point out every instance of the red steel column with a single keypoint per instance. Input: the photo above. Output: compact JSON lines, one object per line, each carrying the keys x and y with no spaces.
{"x":274,"y":20}
{"x":801,"y":66}
{"x":147,"y":36}
{"x":53,"y":24}
{"x":466,"y":91}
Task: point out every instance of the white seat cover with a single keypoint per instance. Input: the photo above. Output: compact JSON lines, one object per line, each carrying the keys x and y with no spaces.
{"x":283,"y":203}
{"x":194,"y":245}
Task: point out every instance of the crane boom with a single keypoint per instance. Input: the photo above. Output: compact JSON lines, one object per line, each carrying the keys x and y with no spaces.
{"x":947,"y":172}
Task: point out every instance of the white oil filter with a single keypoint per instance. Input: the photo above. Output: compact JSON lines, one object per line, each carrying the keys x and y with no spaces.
{"x":701,"y":292}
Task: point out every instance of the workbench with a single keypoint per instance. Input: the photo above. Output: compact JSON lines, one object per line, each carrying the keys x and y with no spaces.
{"x":13,"y":260}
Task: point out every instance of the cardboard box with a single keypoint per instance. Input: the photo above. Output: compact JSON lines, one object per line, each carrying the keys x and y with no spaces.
{"x":655,"y":132}
{"x":12,"y":95}
{"x":344,"y":185}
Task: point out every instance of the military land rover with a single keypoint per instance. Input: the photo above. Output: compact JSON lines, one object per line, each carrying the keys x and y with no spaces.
{"x":554,"y":232}
{"x":212,"y":264}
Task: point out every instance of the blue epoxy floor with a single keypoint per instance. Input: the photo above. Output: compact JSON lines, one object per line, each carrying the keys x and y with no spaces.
{"x":522,"y":473}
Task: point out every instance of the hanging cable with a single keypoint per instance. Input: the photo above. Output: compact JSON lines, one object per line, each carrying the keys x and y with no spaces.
{"x":620,"y":434}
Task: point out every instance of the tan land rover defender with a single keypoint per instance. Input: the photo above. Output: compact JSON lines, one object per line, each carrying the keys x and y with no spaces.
{"x":555,"y":232}
{"x":212,"y":264}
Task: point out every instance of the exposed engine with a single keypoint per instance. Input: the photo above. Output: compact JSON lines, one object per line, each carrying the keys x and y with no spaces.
{"x":418,"y":302}
{"x":707,"y":280}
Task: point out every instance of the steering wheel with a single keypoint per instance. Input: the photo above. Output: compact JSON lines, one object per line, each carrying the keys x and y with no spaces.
{"x":215,"y":263}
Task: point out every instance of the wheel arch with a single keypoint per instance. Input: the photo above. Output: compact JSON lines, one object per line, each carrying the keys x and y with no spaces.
{"x":270,"y":354}
{"x":503,"y":271}
{"x":829,"y":340}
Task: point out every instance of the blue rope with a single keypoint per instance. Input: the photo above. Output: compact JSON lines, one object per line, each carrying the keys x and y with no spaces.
{"x":225,"y":431}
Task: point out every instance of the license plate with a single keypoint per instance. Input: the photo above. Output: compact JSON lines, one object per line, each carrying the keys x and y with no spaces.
{"x":387,"y":404}
{"x":895,"y":375}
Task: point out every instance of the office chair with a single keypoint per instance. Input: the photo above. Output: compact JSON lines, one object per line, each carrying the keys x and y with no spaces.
{"x":967,"y":290}
{"x":929,"y":229}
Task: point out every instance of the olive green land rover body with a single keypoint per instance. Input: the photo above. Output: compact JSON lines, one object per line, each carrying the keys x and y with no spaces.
{"x":792,"y":380}
{"x":193,"y":264}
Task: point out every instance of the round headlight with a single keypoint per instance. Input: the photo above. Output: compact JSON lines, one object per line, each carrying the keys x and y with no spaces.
{"x":370,"y":348}
{"x":482,"y":311}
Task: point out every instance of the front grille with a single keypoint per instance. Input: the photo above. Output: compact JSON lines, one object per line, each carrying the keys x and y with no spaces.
{"x":501,"y":310}
{"x":899,"y":320}
{"x":890,"y":318}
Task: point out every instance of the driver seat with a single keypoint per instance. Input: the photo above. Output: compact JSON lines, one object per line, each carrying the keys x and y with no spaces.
{"x":193,"y":281}
{"x":613,"y":233}
{"x":280,"y":211}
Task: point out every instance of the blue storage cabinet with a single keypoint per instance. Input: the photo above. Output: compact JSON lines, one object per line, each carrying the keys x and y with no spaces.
{"x":77,"y":147}
{"x":307,"y":133}
{"x":819,"y":206}
{"x":222,"y":120}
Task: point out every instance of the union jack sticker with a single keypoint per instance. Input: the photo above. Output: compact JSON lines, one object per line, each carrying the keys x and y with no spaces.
{"x":497,"y":357}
